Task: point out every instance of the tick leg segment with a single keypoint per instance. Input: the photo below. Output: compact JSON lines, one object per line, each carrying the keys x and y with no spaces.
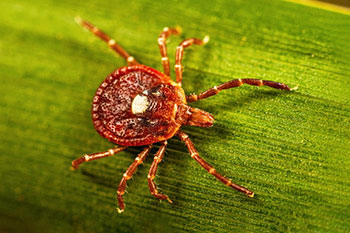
{"x":152,"y":173}
{"x":194,"y":154}
{"x":236,"y":83}
{"x":112,"y":43}
{"x":162,"y":46}
{"x":180,"y":52}
{"x":127,"y":176}
{"x":86,"y":158}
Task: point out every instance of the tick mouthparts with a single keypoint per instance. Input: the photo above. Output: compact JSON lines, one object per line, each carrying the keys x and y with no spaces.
{"x":194,"y":117}
{"x":200,"y":118}
{"x":187,"y":115}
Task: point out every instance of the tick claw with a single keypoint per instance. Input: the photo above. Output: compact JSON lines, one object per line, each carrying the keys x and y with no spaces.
{"x":178,"y":29}
{"x":206,"y":39}
{"x":250,"y":195}
{"x":78,"y":19}
{"x":170,"y":201}
{"x":73,"y":168}
{"x":294,"y":88}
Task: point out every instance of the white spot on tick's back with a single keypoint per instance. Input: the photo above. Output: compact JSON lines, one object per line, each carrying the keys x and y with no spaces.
{"x":139,"y":104}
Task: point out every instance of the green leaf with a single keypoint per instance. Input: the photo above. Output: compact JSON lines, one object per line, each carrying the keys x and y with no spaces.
{"x":290,"y":148}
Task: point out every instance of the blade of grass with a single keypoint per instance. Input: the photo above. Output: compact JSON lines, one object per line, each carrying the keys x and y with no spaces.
{"x":292,"y":149}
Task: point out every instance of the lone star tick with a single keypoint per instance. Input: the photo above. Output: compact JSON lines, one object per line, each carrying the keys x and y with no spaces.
{"x":137,"y":105}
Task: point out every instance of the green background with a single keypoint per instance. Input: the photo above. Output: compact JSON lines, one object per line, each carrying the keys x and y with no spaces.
{"x":292,"y":149}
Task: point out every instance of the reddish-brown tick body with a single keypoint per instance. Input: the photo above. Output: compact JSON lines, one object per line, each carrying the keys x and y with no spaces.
{"x":138,"y":106}
{"x":112,"y":111}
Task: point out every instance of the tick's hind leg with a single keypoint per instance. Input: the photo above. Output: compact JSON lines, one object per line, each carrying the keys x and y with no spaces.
{"x":127,"y":176}
{"x":162,"y":46}
{"x":194,"y":154}
{"x":236,"y":83}
{"x":116,"y":47}
{"x":86,"y":158}
{"x":152,"y":173}
{"x":180,"y":52}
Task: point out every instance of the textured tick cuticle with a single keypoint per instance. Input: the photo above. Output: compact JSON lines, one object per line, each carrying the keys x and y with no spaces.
{"x":137,"y":105}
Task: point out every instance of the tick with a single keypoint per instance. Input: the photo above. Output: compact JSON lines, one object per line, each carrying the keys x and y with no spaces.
{"x":137,"y":105}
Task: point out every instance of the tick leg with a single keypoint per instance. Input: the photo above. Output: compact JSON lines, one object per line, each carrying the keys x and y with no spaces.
{"x":194,"y":154}
{"x":112,"y":43}
{"x":162,"y":46}
{"x":89,"y":157}
{"x":236,"y":83}
{"x":180,"y":52}
{"x":127,"y":176}
{"x":152,"y":173}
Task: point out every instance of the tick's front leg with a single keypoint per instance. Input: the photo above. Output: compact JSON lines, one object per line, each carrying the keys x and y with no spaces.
{"x":99,"y":155}
{"x":236,"y":83}
{"x":194,"y":154}
{"x":162,"y":46}
{"x":152,"y":173}
{"x":112,"y":43}
{"x":180,"y":53}
{"x":127,"y":176}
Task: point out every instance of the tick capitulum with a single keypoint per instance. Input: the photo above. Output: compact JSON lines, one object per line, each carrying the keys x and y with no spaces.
{"x":137,"y":105}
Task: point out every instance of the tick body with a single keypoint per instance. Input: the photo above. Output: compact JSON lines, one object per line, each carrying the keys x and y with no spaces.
{"x":137,"y":105}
